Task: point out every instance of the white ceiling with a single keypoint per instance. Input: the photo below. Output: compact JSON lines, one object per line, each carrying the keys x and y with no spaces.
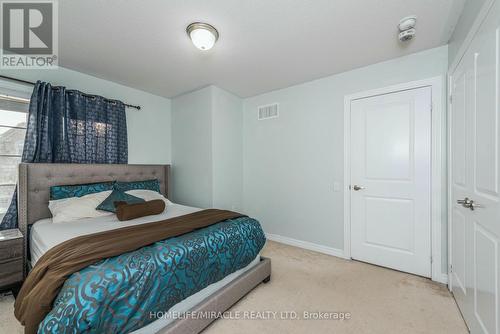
{"x":264,"y":44}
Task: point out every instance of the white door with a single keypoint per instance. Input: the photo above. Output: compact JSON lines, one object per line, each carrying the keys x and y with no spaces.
{"x":391,"y":180}
{"x":474,"y":162}
{"x":459,"y":180}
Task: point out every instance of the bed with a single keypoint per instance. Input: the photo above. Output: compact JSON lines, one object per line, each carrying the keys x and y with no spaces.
{"x":34,"y":216}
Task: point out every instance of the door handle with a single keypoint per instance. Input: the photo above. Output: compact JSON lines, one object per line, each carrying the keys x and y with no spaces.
{"x":357,"y":188}
{"x":473,"y":205}
{"x":465,"y":202}
{"x":469,"y":204}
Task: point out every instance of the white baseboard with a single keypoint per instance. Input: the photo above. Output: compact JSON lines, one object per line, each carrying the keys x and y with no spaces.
{"x":307,"y":245}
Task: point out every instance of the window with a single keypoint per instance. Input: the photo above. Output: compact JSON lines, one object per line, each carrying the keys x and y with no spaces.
{"x":13,"y":119}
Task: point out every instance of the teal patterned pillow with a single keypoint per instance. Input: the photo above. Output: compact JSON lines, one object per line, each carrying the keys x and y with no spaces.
{"x":118,"y":196}
{"x":78,"y":190}
{"x":134,"y":185}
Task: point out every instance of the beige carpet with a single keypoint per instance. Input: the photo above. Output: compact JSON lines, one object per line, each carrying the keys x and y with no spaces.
{"x":379,"y":300}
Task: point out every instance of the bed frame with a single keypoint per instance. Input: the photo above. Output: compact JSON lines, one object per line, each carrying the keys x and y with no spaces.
{"x":36,"y":179}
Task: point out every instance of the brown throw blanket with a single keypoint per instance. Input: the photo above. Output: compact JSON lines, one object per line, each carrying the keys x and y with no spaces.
{"x":47,"y":277}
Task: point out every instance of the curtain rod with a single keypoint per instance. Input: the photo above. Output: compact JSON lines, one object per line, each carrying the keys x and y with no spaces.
{"x":32,"y":83}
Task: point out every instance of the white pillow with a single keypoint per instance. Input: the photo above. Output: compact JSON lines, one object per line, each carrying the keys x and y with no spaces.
{"x":75,"y":208}
{"x":148,"y":195}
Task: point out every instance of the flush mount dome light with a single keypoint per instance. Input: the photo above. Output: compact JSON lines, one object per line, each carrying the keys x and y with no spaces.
{"x":203,"y":35}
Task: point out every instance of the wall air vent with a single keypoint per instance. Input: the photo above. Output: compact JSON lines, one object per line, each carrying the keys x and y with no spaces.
{"x":268,"y":111}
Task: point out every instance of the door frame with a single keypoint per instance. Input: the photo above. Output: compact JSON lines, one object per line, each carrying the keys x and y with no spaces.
{"x":438,"y":159}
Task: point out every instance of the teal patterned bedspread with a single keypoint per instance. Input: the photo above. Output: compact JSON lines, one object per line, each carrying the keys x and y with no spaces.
{"x":117,"y":295}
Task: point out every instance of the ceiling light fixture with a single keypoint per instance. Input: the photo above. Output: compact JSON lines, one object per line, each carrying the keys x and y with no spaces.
{"x":203,"y":35}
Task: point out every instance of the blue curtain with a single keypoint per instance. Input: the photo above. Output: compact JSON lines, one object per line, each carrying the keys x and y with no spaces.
{"x":68,"y":126}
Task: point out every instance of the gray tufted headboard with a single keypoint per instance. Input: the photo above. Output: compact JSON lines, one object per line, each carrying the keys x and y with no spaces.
{"x":36,"y":179}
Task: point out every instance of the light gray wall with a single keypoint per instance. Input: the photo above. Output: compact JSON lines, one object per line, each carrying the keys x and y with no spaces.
{"x":148,"y":129}
{"x":207,"y":149}
{"x":464,"y":24}
{"x":192,"y":148}
{"x":227,"y":150}
{"x":290,"y":163}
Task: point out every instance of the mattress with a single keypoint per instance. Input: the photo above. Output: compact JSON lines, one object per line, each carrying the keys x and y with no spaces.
{"x":45,"y":235}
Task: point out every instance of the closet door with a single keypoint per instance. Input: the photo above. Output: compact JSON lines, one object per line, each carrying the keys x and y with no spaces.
{"x":391,"y":180}
{"x":475,"y":215}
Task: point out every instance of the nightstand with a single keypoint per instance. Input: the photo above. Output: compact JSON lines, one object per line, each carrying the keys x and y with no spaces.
{"x":11,"y":258}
